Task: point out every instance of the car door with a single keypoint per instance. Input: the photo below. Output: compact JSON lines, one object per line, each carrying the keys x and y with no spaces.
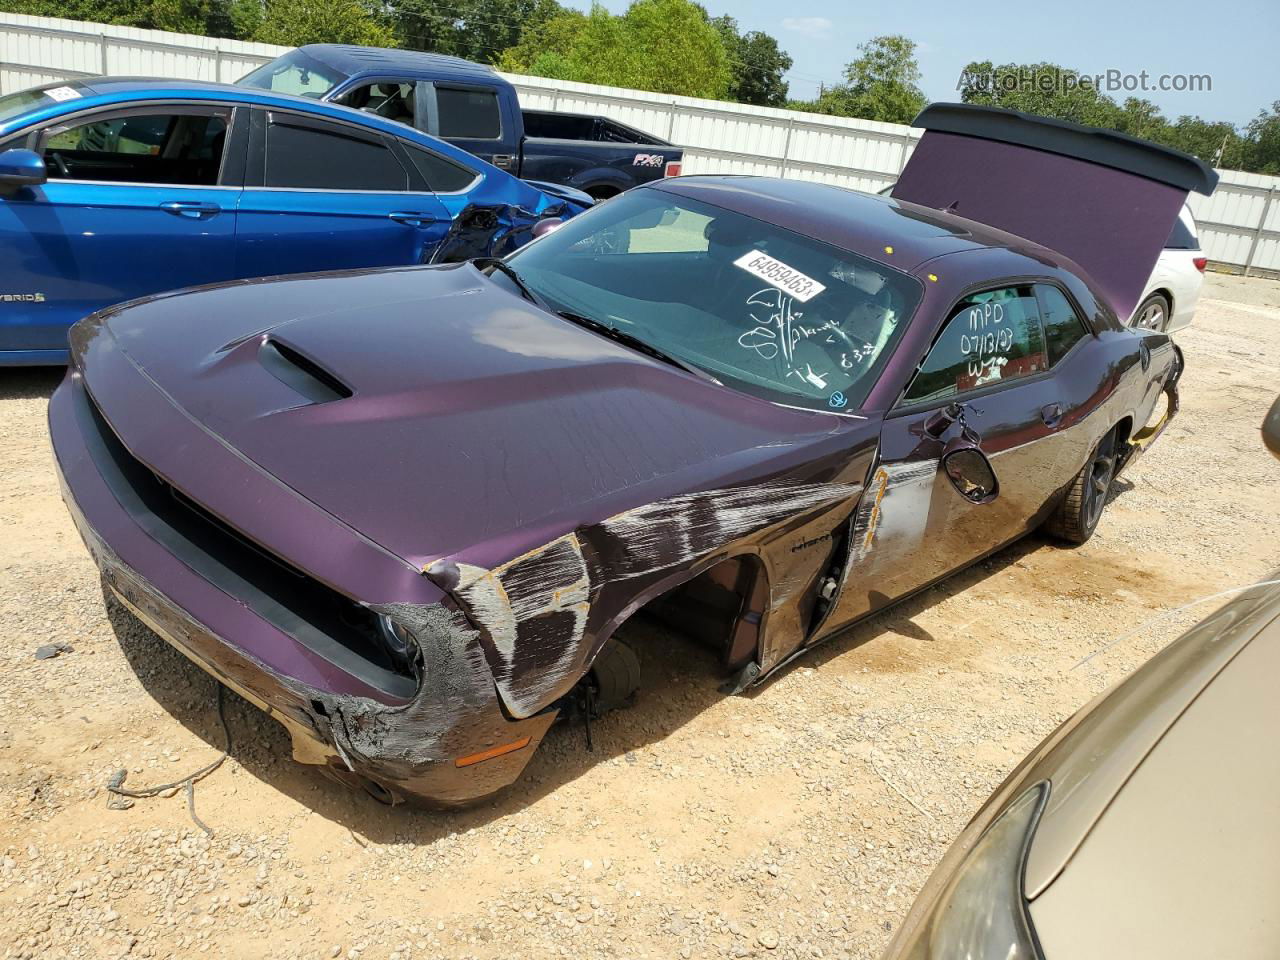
{"x":913,"y":526}
{"x":323,"y":194}
{"x":138,"y":200}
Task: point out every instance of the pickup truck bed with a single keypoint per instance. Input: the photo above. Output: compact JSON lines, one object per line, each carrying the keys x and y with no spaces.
{"x":472,"y":107}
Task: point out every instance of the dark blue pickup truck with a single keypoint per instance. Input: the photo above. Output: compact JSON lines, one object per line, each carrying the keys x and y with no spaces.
{"x":472,"y":107}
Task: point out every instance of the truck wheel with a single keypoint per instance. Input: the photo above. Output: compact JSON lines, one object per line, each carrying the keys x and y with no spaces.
{"x":1078,"y":514}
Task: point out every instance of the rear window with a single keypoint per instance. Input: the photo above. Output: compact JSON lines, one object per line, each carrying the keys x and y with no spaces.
{"x":468,"y":114}
{"x":1181,"y":238}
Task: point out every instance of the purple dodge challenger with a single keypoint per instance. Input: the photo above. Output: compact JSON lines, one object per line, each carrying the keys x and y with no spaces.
{"x":406,"y":510}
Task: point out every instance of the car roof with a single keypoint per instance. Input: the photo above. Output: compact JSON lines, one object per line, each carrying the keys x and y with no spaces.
{"x":352,"y":60}
{"x":894,"y":232}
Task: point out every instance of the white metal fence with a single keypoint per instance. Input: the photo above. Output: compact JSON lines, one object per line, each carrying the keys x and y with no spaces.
{"x":1239,"y":225}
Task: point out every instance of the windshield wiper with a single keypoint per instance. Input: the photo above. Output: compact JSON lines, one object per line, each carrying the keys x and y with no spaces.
{"x":613,"y":333}
{"x":635,"y":343}
{"x":510,"y":273}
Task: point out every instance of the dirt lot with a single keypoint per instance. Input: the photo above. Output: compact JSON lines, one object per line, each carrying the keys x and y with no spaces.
{"x":796,"y":822}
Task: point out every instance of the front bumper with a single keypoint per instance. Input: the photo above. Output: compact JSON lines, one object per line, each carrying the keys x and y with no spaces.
{"x":422,"y":745}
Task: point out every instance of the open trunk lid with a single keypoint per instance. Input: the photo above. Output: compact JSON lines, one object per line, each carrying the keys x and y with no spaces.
{"x":1102,"y":198}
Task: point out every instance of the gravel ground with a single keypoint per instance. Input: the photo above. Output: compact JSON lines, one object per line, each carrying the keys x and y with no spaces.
{"x":796,"y":822}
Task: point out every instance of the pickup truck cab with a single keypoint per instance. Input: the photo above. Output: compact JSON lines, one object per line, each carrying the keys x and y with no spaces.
{"x":471,"y":106}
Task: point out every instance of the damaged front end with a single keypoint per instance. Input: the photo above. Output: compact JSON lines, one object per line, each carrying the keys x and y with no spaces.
{"x":395,"y":697}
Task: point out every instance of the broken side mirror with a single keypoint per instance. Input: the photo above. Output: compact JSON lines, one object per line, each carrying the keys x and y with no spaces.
{"x":1271,"y":429}
{"x":969,"y":471}
{"x":21,"y":168}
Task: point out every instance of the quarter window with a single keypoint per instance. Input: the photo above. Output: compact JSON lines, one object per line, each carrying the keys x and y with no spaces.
{"x":442,"y":176}
{"x":139,"y":148}
{"x":991,"y":337}
{"x":325,"y":157}
{"x":468,"y":114}
{"x":1063,"y":328}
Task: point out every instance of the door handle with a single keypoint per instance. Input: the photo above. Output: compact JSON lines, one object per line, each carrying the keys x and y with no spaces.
{"x":191,"y":209}
{"x":504,"y":161}
{"x":1051,"y":414}
{"x":411,"y":218}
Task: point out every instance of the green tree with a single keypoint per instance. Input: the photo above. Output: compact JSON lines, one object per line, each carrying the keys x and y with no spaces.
{"x":473,"y":29}
{"x":292,"y":23}
{"x":757,"y":65}
{"x":883,"y":83}
{"x":1262,"y":154}
{"x":667,"y":46}
{"x":206,"y":17}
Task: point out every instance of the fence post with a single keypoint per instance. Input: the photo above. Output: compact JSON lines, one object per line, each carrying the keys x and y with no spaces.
{"x":217,"y":64}
{"x":786,"y":147}
{"x":555,"y":99}
{"x":1257,"y":232}
{"x":671,"y":121}
{"x":102,"y":47}
{"x":902,"y":157}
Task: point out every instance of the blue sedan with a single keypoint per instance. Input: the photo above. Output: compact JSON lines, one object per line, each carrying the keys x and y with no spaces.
{"x":112,"y":189}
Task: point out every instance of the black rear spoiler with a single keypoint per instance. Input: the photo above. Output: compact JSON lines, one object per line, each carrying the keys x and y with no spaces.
{"x":1109,"y":148}
{"x":1103,"y":199}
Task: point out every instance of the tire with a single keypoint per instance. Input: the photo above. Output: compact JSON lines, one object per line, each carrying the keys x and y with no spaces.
{"x":1152,"y":314}
{"x":1077,"y":516}
{"x":602,"y":192}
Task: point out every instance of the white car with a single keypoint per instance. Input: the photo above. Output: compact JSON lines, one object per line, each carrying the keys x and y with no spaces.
{"x":1174,"y":288}
{"x":1171,"y":294}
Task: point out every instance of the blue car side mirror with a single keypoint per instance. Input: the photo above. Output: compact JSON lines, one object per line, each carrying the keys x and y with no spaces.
{"x":21,"y":168}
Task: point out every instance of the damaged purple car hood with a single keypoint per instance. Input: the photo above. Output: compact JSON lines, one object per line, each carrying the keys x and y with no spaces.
{"x":477,"y":426}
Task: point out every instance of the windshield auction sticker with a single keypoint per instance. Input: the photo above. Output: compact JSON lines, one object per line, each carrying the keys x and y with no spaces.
{"x":62,"y":94}
{"x":787,"y":279}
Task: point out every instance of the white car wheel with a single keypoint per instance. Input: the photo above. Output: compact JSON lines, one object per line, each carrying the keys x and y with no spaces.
{"x":1152,"y":314}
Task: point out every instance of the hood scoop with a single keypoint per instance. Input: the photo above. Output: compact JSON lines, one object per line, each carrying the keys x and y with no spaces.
{"x":300,"y":373}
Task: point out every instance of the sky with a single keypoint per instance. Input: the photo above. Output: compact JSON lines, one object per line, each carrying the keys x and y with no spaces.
{"x":1236,"y":44}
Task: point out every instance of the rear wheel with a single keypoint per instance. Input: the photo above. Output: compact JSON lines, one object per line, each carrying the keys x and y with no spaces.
{"x":1152,"y":314}
{"x":602,"y":192}
{"x":1077,"y":516}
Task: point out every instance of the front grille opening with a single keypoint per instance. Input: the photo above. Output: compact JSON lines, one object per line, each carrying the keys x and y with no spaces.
{"x":343,"y":631}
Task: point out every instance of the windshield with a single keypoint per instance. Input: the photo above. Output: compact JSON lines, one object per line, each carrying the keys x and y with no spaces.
{"x":295,"y":73}
{"x":15,"y":104}
{"x":763,"y":310}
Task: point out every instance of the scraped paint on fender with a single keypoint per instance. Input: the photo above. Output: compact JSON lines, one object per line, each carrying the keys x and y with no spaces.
{"x":536,"y":610}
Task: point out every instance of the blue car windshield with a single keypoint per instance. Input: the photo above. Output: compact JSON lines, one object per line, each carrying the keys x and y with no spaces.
{"x":295,"y":73}
{"x":763,"y":310}
{"x":15,"y":104}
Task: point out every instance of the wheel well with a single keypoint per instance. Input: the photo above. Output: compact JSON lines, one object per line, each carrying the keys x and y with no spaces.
{"x":721,"y":608}
{"x":1124,"y":430}
{"x":602,"y":191}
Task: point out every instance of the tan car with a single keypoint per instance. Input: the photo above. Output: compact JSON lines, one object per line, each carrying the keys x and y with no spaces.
{"x":1147,"y":825}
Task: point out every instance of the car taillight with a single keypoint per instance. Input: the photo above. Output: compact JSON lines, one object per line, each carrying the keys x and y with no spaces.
{"x":1201,"y":263}
{"x":673,"y":169}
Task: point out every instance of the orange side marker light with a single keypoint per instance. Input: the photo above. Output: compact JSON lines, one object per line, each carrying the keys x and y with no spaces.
{"x":491,"y":753}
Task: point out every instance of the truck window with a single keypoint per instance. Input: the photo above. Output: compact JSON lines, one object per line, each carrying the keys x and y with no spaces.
{"x":442,"y":176}
{"x":385,"y":99}
{"x":468,"y":114}
{"x":326,"y":157}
